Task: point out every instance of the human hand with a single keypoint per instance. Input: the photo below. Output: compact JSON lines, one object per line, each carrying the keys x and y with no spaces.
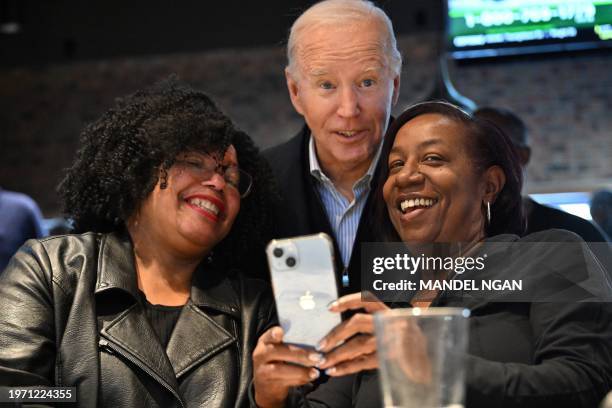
{"x":350,"y":347}
{"x":277,"y":367}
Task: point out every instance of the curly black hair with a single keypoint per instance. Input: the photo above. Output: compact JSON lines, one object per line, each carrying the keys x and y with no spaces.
{"x":122,"y":153}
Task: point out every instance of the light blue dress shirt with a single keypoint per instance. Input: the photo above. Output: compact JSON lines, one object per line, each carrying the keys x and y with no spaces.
{"x":343,"y":215}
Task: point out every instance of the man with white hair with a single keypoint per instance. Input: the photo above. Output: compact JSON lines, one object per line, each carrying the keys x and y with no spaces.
{"x":343,"y":77}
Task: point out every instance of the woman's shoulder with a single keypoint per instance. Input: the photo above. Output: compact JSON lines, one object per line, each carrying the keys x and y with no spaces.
{"x":248,"y":287}
{"x":254,"y":300}
{"x":231,"y":283}
{"x":59,"y":258}
{"x":57,"y":247}
{"x":57,"y":261}
{"x":556,"y":262}
{"x":553,"y":246}
{"x":64,"y":241}
{"x":554,"y":235}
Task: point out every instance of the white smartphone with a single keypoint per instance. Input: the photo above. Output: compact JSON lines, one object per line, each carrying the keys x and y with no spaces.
{"x":304,"y":284}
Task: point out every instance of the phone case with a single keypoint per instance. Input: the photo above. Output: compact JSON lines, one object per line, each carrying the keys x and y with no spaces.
{"x":304,"y":287}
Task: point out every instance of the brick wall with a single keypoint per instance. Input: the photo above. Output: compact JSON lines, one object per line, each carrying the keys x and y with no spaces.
{"x":566,"y":102}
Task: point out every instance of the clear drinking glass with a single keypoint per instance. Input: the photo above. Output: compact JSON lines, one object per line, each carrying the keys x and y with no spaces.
{"x":422,"y":356}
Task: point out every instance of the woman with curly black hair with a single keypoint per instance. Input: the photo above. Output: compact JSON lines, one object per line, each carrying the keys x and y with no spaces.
{"x":145,"y":306}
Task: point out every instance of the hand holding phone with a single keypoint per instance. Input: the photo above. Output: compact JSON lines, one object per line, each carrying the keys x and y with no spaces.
{"x":351,"y":346}
{"x":277,"y":367}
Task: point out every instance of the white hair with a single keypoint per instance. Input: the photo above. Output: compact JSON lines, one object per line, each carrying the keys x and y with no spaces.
{"x":336,"y":13}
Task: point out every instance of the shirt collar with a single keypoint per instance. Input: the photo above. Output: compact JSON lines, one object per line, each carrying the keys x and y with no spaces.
{"x":317,"y":172}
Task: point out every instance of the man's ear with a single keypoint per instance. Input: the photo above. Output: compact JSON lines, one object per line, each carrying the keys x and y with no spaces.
{"x":294,"y":91}
{"x":396,"y":90}
{"x":494,"y":180}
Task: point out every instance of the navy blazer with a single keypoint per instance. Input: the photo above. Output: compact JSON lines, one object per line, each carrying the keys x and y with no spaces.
{"x":301,"y":210}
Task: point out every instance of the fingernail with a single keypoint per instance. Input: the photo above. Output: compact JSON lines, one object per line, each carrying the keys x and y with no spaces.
{"x":321,"y":345}
{"x":316,"y":357}
{"x":338,"y":344}
{"x":314,"y":374}
{"x":333,"y":304}
{"x":330,"y":371}
{"x":277,"y":334}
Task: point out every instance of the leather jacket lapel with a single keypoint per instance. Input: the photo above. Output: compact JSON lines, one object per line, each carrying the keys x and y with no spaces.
{"x":116,"y":268}
{"x":127,"y":328}
{"x":133,"y":337}
{"x":195,"y":338}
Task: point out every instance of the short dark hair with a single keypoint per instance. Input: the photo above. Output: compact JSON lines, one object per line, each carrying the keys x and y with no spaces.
{"x":507,"y":122}
{"x":122,"y":153}
{"x":489,"y":147}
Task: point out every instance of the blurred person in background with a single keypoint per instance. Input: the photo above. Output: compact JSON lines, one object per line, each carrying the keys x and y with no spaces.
{"x":135,"y":309}
{"x":343,"y":77}
{"x":539,"y":217}
{"x":20,"y":220}
{"x":601,"y":210}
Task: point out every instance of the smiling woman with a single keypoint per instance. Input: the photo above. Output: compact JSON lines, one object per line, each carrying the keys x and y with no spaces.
{"x":453,"y":178}
{"x":446,"y":173}
{"x":135,"y":307}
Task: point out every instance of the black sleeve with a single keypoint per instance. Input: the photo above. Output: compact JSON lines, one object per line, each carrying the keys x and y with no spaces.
{"x":335,"y":393}
{"x":27,"y":339}
{"x":572,"y":362}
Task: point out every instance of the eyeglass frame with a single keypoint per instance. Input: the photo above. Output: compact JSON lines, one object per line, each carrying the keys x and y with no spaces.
{"x":200,"y":167}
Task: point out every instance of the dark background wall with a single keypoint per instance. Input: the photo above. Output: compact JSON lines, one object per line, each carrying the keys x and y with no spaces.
{"x":61,"y":31}
{"x":70,"y":60}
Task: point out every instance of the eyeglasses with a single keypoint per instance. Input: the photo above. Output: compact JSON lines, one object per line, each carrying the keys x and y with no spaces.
{"x":205,"y":168}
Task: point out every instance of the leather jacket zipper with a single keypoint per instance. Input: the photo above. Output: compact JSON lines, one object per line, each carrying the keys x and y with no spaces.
{"x":113,"y":349}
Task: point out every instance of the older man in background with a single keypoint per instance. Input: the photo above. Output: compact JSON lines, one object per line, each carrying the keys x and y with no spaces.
{"x":343,"y":77}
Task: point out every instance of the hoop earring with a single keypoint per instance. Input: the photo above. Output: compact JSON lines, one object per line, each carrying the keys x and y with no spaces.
{"x":488,"y":212}
{"x":163,"y":179}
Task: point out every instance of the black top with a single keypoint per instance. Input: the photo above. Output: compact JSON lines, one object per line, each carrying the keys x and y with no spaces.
{"x":521,"y":354}
{"x":162,"y":318}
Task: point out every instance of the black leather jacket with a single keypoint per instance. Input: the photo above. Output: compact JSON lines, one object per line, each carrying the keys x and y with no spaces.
{"x":70,"y":316}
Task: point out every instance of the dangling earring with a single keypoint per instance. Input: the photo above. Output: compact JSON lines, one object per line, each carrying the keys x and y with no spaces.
{"x":489,"y":213}
{"x":209,"y":258}
{"x":163,"y":179}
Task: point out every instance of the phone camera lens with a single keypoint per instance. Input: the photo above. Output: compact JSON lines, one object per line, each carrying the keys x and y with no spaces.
{"x":278,"y":252}
{"x":290,"y":262}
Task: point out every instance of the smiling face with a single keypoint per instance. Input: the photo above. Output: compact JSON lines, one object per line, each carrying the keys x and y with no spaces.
{"x":345,"y":89}
{"x":193,"y":213}
{"x":433,"y":192}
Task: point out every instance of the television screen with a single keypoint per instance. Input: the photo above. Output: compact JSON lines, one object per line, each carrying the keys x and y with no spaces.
{"x":490,"y":28}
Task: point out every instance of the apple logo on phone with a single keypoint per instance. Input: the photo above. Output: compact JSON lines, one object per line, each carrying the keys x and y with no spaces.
{"x":307,"y":301}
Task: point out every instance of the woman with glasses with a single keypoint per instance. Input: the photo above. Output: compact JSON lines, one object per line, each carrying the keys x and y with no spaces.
{"x":145,"y":306}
